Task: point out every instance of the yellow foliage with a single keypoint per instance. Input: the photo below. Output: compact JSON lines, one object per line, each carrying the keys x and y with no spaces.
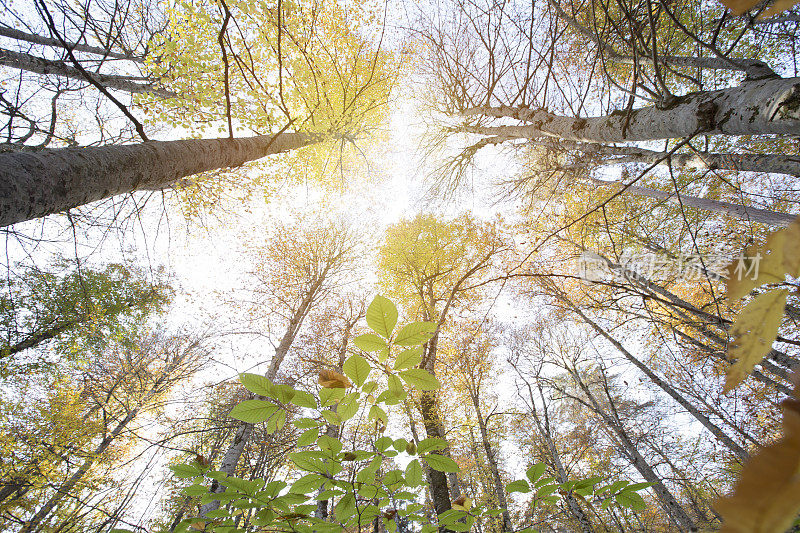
{"x":754,"y":331}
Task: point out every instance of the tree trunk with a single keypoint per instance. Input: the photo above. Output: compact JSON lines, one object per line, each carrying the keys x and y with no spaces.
{"x":740,"y":452}
{"x":35,"y":184}
{"x":561,"y":473}
{"x":741,"y":212}
{"x":668,"y":502}
{"x":76,"y":477}
{"x":38,"y":65}
{"x":772,"y":163}
{"x":767,"y":106}
{"x":18,"y":35}
{"x":499,"y":490}
{"x":245,"y":429}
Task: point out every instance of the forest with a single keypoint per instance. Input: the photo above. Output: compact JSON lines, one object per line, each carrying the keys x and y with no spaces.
{"x":399,"y":266}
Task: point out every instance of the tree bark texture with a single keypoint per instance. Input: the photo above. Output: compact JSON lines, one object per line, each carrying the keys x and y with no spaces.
{"x":18,"y":35}
{"x":39,"y":65}
{"x":741,"y":212}
{"x":35,"y":184}
{"x":758,"y":107}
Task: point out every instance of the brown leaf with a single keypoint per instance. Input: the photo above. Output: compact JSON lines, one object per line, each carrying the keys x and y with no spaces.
{"x":777,"y":7}
{"x":333,"y":380}
{"x":753,"y":333}
{"x":738,"y":7}
{"x":766,"y":498}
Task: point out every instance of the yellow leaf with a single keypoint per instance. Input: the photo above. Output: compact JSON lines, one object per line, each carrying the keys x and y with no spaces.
{"x":462,"y":504}
{"x":766,"y":498}
{"x":779,"y":256}
{"x":753,"y":333}
{"x":333,"y":380}
{"x":777,"y":7}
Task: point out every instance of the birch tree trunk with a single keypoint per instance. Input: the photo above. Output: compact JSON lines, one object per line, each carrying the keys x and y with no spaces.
{"x":766,"y":106}
{"x":674,"y":510}
{"x":35,"y":184}
{"x":737,"y":450}
{"x":543,"y":426}
{"x":741,"y":212}
{"x":12,"y":33}
{"x":38,"y":65}
{"x":772,"y":163}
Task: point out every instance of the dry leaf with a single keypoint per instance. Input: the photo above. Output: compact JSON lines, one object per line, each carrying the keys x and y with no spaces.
{"x":779,"y":256}
{"x":766,"y":498}
{"x":738,"y":7}
{"x":753,"y":333}
{"x":777,"y":7}
{"x":462,"y":503}
{"x":333,"y":380}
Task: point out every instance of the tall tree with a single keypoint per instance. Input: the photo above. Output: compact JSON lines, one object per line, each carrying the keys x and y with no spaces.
{"x":296,"y":270}
{"x":429,"y":266}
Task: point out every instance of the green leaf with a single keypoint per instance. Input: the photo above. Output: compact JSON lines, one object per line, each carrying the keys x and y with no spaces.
{"x":348,"y":407}
{"x":308,"y":437}
{"x":420,"y":379}
{"x":441,"y":463}
{"x":195,"y":490}
{"x":546,"y":490}
{"x":253,"y":411}
{"x":588,"y":482}
{"x":519,"y":485}
{"x":328,"y":397}
{"x":257,"y":384}
{"x":415,"y":333}
{"x":184,"y":471}
{"x":408,"y":358}
{"x":305,"y":423}
{"x":382,"y":316}
{"x":413,"y":473}
{"x":345,"y":507}
{"x":383,"y":443}
{"x":376,"y":413}
{"x":308,"y":484}
{"x":329,"y":444}
{"x":357,"y":369}
{"x":369,"y":342}
{"x":638,"y":486}
{"x":631,"y":500}
{"x":431,"y":445}
{"x":535,"y":472}
{"x":277,"y":422}
{"x":332,"y":418}
{"x":396,"y":389}
{"x":304,"y":399}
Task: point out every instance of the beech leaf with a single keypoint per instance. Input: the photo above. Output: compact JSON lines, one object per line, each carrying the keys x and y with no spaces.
{"x":766,"y":497}
{"x":753,"y":333}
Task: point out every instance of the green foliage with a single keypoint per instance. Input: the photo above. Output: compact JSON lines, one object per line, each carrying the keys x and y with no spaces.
{"x":363,"y":482}
{"x":74,"y":311}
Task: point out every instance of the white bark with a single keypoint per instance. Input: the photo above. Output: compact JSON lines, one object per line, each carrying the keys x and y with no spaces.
{"x":35,"y":184}
{"x":771,"y":163}
{"x":18,"y":35}
{"x":759,"y":107}
{"x":38,"y":65}
{"x":741,"y":212}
